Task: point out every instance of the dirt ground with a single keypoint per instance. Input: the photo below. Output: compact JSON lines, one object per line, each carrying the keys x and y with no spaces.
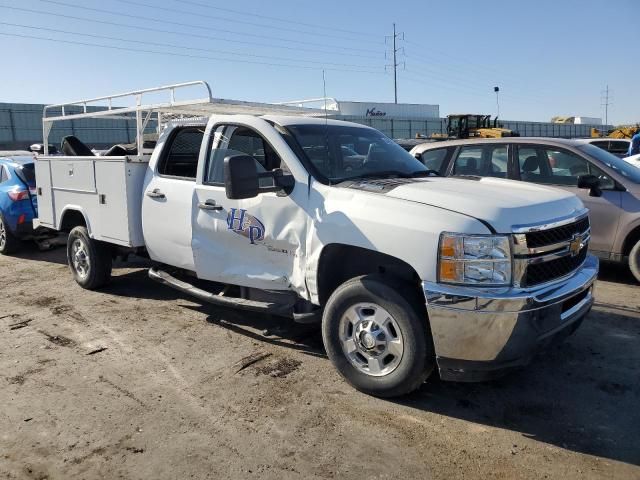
{"x":138,"y":381}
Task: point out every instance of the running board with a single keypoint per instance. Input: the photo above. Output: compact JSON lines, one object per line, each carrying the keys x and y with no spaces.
{"x":230,"y":302}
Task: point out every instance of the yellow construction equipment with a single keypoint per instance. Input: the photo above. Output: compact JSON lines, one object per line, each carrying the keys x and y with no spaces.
{"x":622,"y":131}
{"x":469,"y":125}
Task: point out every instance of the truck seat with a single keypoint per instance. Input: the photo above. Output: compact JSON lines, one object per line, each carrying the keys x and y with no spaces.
{"x":73,"y":147}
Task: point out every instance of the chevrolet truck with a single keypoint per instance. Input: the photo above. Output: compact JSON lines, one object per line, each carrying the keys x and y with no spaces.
{"x":282,"y":210}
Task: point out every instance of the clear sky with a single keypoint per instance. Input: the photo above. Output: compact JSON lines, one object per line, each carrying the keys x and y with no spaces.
{"x":549,"y":57}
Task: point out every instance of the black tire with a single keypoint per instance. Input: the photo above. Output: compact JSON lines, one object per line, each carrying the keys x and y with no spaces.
{"x":90,"y":261}
{"x":417,"y":360}
{"x":634,"y":261}
{"x":9,"y":243}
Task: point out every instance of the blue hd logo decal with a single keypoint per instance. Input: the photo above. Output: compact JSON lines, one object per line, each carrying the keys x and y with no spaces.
{"x":246,"y":225}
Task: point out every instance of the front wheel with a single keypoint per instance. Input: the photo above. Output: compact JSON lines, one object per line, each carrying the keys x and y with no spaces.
{"x":90,"y":261}
{"x":375,"y":337}
{"x":634,"y":261}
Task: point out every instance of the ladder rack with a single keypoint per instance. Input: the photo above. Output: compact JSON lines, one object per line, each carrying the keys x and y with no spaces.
{"x":162,"y":111}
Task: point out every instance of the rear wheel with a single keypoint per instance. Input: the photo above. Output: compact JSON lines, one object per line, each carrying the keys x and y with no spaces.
{"x":376,"y":338}
{"x":90,"y":261}
{"x":9,"y":243}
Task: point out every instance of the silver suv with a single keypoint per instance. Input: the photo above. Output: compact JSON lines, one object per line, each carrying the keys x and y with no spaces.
{"x":607,"y":185}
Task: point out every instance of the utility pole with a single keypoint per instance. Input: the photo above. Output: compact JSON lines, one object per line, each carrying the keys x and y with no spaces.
{"x":606,"y":101}
{"x":395,"y":60}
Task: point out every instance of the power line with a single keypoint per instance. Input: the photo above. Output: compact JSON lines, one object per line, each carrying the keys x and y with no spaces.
{"x":227,"y":19}
{"x":187,"y":34}
{"x":257,"y":15}
{"x":120,"y":39}
{"x":185,"y":55}
{"x":201,"y":27}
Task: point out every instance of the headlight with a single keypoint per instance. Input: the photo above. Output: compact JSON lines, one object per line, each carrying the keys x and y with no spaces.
{"x":474,"y":259}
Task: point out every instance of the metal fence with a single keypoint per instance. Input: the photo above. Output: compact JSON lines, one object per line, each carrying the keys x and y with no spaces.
{"x":21,"y":126}
{"x":410,"y":128}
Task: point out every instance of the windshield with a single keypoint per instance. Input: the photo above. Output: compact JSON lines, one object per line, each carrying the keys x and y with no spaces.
{"x":341,"y":153}
{"x":616,"y":164}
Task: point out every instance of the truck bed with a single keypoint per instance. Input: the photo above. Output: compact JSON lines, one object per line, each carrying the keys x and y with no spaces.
{"x":106,"y":190}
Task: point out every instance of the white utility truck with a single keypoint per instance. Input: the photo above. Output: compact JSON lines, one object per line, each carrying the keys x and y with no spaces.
{"x":281,"y":210}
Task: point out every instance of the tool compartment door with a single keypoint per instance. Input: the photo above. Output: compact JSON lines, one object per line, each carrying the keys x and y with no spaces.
{"x":45,"y":196}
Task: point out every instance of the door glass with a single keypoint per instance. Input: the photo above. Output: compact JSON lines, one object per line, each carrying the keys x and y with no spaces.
{"x":497,"y":161}
{"x":468,"y":161}
{"x":182,"y":155}
{"x":3,"y":174}
{"x":558,"y":167}
{"x":529,"y":164}
{"x":484,"y":161}
{"x":238,"y":140}
{"x":433,"y":159}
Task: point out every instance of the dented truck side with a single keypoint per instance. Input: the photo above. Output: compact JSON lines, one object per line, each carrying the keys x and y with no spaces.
{"x":327,"y":221}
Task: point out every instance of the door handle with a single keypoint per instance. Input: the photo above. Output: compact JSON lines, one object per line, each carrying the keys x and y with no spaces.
{"x":155,"y":193}
{"x":209,"y":205}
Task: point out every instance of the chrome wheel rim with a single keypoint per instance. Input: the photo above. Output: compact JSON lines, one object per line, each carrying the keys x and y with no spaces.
{"x":3,"y":235}
{"x":80,"y":258}
{"x":371,"y":339}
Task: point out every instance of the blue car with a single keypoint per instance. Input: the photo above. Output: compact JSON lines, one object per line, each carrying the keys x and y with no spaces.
{"x":18,"y":201}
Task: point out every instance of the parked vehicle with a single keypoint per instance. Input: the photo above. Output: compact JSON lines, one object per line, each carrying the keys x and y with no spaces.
{"x":407,"y":272}
{"x":607,"y":185}
{"x":633,"y":160}
{"x":617,"y":146}
{"x":18,"y":201}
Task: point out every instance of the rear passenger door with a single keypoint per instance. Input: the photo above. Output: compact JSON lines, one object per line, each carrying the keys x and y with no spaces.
{"x":168,"y":199}
{"x":488,"y":160}
{"x":561,"y":168}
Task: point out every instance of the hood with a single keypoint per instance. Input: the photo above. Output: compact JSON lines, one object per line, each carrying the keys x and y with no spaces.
{"x":501,"y":203}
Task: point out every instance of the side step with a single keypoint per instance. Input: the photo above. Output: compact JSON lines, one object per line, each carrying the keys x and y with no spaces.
{"x":230,"y":302}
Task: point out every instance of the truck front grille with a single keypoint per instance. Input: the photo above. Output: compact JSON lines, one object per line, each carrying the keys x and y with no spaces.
{"x":548,"y":271}
{"x":557,"y":235}
{"x":543,"y":256}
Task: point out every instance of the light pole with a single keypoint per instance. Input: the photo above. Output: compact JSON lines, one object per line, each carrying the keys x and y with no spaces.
{"x":497,"y":90}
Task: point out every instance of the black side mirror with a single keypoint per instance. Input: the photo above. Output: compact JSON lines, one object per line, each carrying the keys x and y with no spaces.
{"x":241,"y":177}
{"x":592,"y":183}
{"x":418,"y":156}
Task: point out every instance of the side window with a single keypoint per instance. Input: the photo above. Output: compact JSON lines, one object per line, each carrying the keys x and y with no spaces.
{"x":485,"y":161}
{"x":558,"y":167}
{"x":433,"y":159}
{"x":181,"y":159}
{"x":239,"y":140}
{"x":468,"y":161}
{"x":619,"y":148}
{"x":3,"y":174}
{"x":498,"y":161}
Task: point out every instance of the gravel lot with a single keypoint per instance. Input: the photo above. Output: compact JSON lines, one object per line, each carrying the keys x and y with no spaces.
{"x":137,"y":381}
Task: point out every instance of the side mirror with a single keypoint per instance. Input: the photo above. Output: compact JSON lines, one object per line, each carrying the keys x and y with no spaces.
{"x":592,"y":183}
{"x":241,"y":178}
{"x":418,"y":156}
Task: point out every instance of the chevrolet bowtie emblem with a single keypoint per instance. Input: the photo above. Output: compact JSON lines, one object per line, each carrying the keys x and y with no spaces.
{"x":576,"y":244}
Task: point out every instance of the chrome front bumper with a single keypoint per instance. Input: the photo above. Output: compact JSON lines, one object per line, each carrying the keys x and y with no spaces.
{"x":481,"y":332}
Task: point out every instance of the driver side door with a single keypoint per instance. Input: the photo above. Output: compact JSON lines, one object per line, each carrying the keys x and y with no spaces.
{"x":255,"y":242}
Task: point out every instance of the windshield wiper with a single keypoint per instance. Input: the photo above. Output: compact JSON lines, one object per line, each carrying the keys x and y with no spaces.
{"x":424,"y":173}
{"x":387,"y":174}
